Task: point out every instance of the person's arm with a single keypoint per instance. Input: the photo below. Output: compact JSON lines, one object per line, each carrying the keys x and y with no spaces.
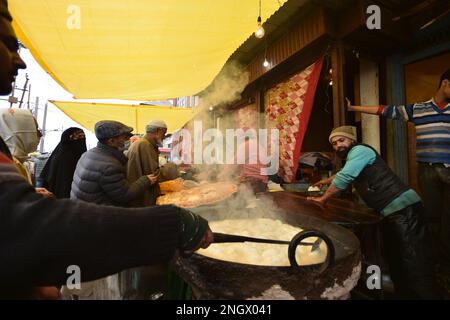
{"x":331,"y":191}
{"x":149,"y":159}
{"x":378,"y":110}
{"x":401,"y":112}
{"x":150,"y":163}
{"x":40,"y":237}
{"x":143,"y":160}
{"x":44,"y":192}
{"x":116,"y":186}
{"x":358,"y":158}
{"x":324,"y":182}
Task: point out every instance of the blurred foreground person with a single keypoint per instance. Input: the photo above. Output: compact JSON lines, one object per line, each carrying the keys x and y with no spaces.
{"x":41,"y":238}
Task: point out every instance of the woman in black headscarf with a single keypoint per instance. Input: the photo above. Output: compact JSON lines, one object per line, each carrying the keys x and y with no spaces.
{"x":58,"y":172}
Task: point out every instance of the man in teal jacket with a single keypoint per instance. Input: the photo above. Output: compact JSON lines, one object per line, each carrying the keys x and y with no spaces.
{"x":404,"y":233}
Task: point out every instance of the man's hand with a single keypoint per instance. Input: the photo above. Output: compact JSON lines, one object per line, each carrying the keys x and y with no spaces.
{"x":331,"y":191}
{"x":44,"y":192}
{"x":319,"y":200}
{"x":207,"y":239}
{"x":321,"y":183}
{"x":349,"y":105}
{"x":195,"y":232}
{"x":152,"y":178}
{"x":324,"y":182}
{"x":204,"y":243}
{"x":363,"y":109}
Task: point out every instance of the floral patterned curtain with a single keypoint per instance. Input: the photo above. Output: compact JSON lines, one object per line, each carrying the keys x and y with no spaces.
{"x":288,"y":107}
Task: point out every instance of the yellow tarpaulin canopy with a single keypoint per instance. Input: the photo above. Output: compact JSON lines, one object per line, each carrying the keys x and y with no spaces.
{"x":135,"y":49}
{"x":136,"y":116}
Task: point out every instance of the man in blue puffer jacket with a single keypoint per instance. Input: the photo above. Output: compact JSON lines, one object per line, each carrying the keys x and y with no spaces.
{"x":100,"y":175}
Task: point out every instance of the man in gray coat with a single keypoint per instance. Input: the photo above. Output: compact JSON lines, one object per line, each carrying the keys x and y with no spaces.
{"x":100,"y":175}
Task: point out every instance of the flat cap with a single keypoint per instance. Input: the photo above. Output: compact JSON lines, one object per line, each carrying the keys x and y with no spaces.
{"x":106,"y":129}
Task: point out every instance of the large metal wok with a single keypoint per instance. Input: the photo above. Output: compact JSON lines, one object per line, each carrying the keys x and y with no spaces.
{"x":217,"y":279}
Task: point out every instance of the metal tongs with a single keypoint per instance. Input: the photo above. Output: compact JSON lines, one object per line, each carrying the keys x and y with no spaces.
{"x":223,"y":238}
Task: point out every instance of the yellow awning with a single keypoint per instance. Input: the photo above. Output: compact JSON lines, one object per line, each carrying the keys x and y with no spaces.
{"x":135,"y":49}
{"x":136,"y":116}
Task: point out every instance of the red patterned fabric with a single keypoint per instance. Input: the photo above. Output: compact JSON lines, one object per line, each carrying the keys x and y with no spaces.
{"x":288,"y":107}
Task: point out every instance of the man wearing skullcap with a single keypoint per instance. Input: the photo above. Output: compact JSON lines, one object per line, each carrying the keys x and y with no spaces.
{"x":404,"y":233}
{"x":143,"y":159}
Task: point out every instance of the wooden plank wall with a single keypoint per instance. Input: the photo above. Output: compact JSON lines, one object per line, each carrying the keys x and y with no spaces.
{"x":309,"y":29}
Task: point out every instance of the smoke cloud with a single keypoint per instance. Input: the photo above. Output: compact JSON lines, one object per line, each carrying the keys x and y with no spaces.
{"x":226,"y":88}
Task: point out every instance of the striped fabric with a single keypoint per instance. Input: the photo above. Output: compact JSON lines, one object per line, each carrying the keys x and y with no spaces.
{"x":432,"y":127}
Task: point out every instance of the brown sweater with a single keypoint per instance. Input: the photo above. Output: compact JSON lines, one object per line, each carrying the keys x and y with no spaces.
{"x":143,"y":159}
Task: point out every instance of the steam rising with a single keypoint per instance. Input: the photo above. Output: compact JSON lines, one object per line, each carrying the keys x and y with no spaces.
{"x":242,"y":205}
{"x":226,"y":88}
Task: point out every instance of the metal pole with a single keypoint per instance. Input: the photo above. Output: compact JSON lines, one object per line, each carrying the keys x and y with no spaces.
{"x":36,"y":108}
{"x":44,"y":126}
{"x":29,"y":96}
{"x":24,"y":90}
{"x":12,"y":93}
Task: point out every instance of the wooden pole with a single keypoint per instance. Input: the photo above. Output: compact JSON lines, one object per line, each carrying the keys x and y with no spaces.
{"x":29,"y":96}
{"x":369,"y":92}
{"x":337,"y":64}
